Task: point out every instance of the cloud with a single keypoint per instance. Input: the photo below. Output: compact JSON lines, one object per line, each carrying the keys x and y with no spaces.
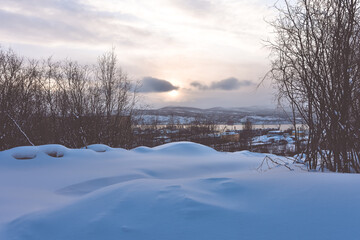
{"x":150,"y":84}
{"x":68,"y":22}
{"x":226,"y":84}
{"x":199,"y":85}
{"x":40,"y":27}
{"x":231,"y":84}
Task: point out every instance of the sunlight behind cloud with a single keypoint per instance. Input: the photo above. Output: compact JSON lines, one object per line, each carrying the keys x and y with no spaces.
{"x":173,"y":93}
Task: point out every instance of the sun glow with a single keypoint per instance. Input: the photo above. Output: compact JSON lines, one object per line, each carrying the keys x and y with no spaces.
{"x":173,"y":93}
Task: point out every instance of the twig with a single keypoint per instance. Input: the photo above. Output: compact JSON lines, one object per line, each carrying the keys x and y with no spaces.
{"x":17,"y":125}
{"x":277,"y":162}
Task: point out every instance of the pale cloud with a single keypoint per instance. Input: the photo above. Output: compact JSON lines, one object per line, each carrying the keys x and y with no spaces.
{"x":176,"y":40}
{"x":67,"y":22}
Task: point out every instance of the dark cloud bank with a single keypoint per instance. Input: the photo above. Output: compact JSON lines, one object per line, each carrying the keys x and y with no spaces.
{"x":226,"y":84}
{"x":150,"y":84}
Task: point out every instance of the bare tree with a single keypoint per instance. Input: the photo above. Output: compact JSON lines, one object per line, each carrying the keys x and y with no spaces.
{"x":65,"y":102}
{"x":119,"y":99}
{"x":247,"y":134}
{"x":315,"y":66}
{"x":20,"y":99}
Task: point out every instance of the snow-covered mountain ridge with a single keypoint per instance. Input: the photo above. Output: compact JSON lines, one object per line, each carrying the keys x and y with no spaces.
{"x":217,"y":115}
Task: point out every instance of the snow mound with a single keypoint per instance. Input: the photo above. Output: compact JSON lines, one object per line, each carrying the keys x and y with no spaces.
{"x":31,"y":152}
{"x":53,"y":150}
{"x":24,"y":153}
{"x":176,"y":148}
{"x":142,"y":149}
{"x":99,"y":147}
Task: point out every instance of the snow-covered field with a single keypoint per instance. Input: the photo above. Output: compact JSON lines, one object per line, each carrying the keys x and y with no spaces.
{"x":176,"y":191}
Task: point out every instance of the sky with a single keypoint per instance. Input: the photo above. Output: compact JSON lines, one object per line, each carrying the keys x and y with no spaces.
{"x":195,"y":53}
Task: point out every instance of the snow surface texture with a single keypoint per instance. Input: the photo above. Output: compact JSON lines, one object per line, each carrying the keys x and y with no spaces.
{"x":177,"y":191}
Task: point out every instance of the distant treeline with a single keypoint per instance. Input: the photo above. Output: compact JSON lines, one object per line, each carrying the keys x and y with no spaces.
{"x":64,"y":102}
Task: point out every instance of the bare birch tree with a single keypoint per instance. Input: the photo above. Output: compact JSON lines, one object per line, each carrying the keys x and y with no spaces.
{"x":65,"y":102}
{"x":315,"y":66}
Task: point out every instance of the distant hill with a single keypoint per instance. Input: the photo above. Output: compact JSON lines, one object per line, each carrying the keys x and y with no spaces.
{"x":218,"y":115}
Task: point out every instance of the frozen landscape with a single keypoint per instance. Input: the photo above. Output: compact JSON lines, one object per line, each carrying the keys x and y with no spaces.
{"x":174,"y":191}
{"x":223,"y":93}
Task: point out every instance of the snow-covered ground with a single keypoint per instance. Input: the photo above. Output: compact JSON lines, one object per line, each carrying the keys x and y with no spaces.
{"x":175,"y":191}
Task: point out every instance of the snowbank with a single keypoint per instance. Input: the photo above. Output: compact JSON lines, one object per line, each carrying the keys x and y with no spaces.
{"x":178,"y":148}
{"x":175,"y":191}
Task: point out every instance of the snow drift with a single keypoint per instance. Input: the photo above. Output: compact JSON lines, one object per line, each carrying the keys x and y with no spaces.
{"x":175,"y":191}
